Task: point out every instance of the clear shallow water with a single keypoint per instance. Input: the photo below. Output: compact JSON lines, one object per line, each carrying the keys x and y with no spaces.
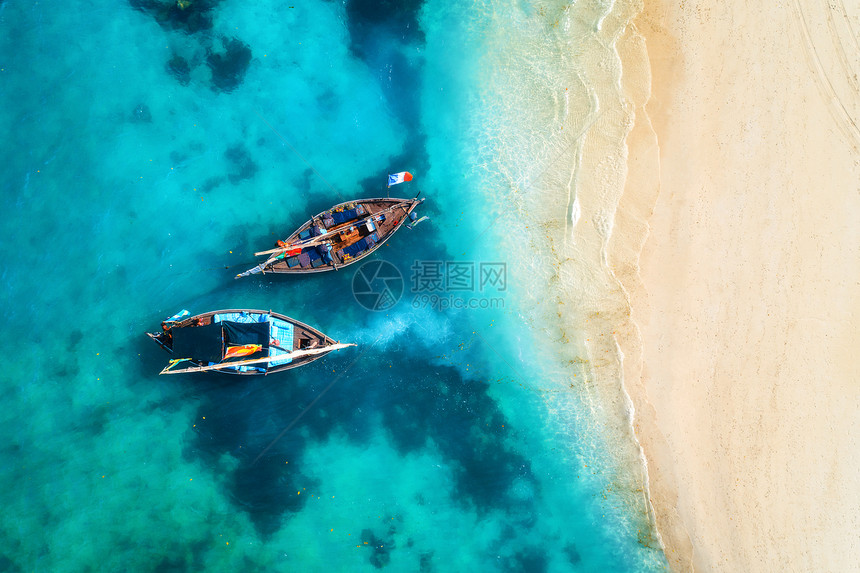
{"x":150,"y":151}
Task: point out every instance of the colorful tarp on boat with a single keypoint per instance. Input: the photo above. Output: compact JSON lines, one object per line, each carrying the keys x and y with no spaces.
{"x":239,"y":351}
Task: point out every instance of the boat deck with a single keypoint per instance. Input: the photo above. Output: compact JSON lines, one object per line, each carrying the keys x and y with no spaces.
{"x":281,"y":337}
{"x":347,"y":233}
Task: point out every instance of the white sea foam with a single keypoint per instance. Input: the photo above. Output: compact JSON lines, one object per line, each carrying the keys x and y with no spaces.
{"x":557,"y":118}
{"x":575,"y":213}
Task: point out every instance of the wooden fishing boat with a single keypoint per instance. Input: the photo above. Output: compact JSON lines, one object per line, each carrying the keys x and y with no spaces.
{"x":240,"y":341}
{"x":345,"y":234}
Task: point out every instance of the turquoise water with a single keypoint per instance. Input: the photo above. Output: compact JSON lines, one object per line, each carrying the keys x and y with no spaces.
{"x":150,"y":149}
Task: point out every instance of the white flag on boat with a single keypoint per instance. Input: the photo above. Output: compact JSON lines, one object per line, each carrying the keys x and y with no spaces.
{"x":394,"y":179}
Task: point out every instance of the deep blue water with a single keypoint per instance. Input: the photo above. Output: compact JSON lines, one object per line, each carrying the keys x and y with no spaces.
{"x":149,"y":149}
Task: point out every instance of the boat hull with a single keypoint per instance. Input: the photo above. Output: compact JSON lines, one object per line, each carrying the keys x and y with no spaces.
{"x":327,"y":242}
{"x":176,"y":339}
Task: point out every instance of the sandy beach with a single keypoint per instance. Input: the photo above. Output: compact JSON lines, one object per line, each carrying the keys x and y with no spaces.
{"x":741,"y":357}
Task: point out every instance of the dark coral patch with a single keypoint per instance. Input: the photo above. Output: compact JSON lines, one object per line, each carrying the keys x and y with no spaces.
{"x":267,"y":428}
{"x":228,"y":68}
{"x":465,"y":424}
{"x":425,"y":563}
{"x":529,"y":560}
{"x":264,"y":488}
{"x":266,"y":492}
{"x":380,"y":549}
{"x":572,"y":554}
{"x":241,"y":165}
{"x":381,"y":11}
{"x":189,"y":16}
{"x":179,"y":69}
{"x":212,"y":183}
{"x":7,"y":564}
{"x":68,"y":370}
{"x":141,"y":114}
{"x":381,"y":33}
{"x":181,"y":557}
{"x":367,"y":18}
{"x":74,"y":339}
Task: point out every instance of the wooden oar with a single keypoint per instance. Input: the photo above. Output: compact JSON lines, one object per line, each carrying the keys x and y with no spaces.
{"x":249,"y":272}
{"x":270,"y":251}
{"x":313,"y":240}
{"x":173,"y":363}
{"x":296,"y":354}
{"x":411,"y":226}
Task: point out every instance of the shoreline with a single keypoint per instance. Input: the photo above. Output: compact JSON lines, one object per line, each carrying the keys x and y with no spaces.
{"x":633,"y":211}
{"x":736,"y":256}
